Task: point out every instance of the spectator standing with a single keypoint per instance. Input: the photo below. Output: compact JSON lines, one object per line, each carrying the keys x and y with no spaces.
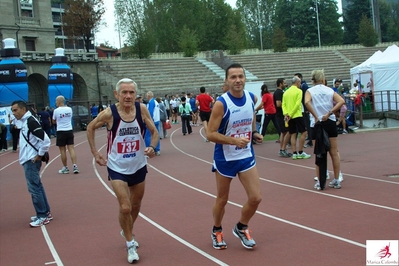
{"x":100,"y":107}
{"x":126,"y":121}
{"x":204,"y":102}
{"x":267,"y":104}
{"x":173,"y":107}
{"x":232,"y":127}
{"x":62,"y":117}
{"x":167,"y":106}
{"x":94,"y":111}
{"x":185,"y":114}
{"x":304,"y":87}
{"x":139,"y":99}
{"x":34,"y":143}
{"x":53,"y":128}
{"x":194,"y":109}
{"x":3,"y":137}
{"x":319,"y":101}
{"x":162,"y":117}
{"x":292,"y":110}
{"x":45,"y":120}
{"x":278,"y":99}
{"x":15,"y":127}
{"x":153,"y":108}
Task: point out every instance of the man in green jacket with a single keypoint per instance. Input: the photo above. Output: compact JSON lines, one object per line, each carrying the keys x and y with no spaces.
{"x":292,"y":110}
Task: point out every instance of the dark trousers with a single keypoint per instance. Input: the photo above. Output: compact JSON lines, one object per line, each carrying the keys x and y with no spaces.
{"x":15,"y":138}
{"x":3,"y":139}
{"x":307,"y":124}
{"x":46,"y":128}
{"x":185,"y":120}
{"x":266,"y":120}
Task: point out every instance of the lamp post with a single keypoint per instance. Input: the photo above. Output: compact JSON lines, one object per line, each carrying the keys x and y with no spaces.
{"x":260,"y":27}
{"x":318,"y":23}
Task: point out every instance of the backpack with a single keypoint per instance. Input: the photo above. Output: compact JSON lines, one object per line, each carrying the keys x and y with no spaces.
{"x":46,"y":156}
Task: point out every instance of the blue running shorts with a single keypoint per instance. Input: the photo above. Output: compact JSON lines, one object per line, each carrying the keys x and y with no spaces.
{"x":232,"y":168}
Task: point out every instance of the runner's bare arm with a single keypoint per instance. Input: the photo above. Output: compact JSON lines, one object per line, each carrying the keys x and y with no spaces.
{"x":213,"y":125}
{"x":105,"y":117}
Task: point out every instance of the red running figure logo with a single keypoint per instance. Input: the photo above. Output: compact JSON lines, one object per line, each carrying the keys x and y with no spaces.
{"x":384,"y":252}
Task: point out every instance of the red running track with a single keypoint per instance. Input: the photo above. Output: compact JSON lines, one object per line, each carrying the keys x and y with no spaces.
{"x":294,"y":225}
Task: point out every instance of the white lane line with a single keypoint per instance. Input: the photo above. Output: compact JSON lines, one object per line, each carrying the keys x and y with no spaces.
{"x":312,"y":168}
{"x":265,"y":214}
{"x":333,"y":196}
{"x":163,"y":229}
{"x":57,"y":259}
{"x":294,"y":187}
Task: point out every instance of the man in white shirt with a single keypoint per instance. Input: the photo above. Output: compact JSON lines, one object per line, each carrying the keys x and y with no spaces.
{"x":62,"y":116}
{"x":153,"y":108}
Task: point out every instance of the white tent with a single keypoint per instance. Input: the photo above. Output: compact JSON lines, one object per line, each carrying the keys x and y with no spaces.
{"x":385,"y":77}
{"x":363,"y":72}
{"x":379,"y":74}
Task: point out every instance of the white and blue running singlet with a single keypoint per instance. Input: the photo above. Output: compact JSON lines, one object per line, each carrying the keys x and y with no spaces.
{"x":236,"y":122}
{"x":126,"y":143}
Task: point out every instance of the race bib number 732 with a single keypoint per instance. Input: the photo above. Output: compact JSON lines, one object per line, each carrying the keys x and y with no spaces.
{"x":128,"y":146}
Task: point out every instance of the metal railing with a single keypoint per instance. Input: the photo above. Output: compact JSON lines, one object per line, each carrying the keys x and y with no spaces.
{"x":375,"y":105}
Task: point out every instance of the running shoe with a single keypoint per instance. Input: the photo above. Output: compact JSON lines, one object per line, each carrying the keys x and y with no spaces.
{"x":49,"y":217}
{"x":317,"y":186}
{"x":64,"y":170}
{"x":75,"y":169}
{"x":335,"y":183}
{"x":294,"y":156}
{"x":132,"y":255}
{"x":246,"y":240}
{"x":134,"y":240}
{"x":284,"y":154}
{"x":39,"y":222}
{"x":327,"y":177}
{"x":217,"y":240}
{"x":340,"y":177}
{"x":303,"y":155}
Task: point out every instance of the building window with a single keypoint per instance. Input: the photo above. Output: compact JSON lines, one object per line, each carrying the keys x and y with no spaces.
{"x":26,"y":8}
{"x":30,"y":45}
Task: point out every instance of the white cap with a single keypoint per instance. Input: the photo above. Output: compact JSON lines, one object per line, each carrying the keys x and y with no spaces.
{"x":59,"y":52}
{"x":9,"y":43}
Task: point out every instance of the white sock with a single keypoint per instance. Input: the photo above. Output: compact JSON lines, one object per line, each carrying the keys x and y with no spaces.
{"x":130,"y":243}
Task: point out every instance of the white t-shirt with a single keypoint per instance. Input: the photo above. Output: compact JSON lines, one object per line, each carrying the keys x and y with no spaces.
{"x":63,"y":116}
{"x":322,"y":102}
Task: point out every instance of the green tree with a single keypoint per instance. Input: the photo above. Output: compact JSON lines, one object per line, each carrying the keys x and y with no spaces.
{"x":367,"y":35}
{"x":164,"y":20}
{"x":279,"y":41}
{"x":257,"y":16}
{"x":188,"y":42}
{"x":131,"y":18}
{"x":235,"y":40}
{"x":352,"y":17}
{"x":300,"y":23}
{"x":389,"y":19}
{"x":82,"y":18}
